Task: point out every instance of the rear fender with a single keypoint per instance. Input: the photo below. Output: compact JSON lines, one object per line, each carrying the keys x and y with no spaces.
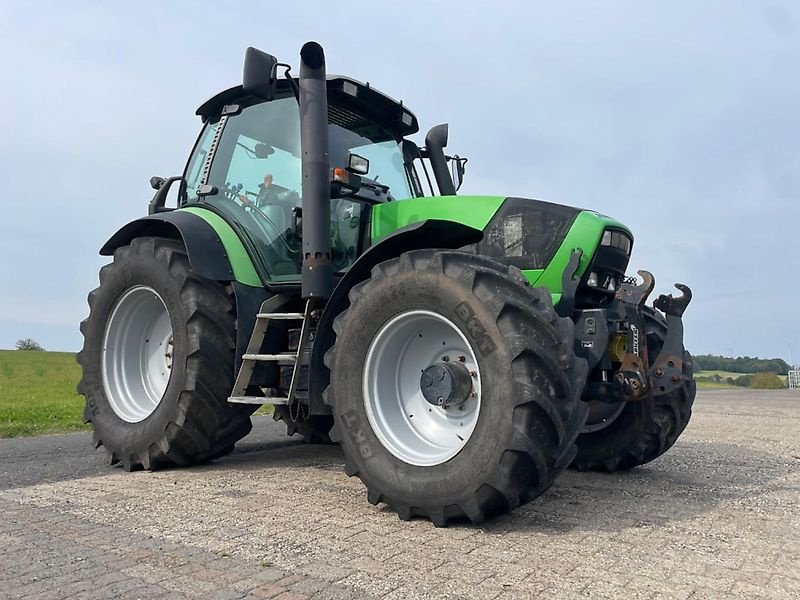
{"x":209,"y":248}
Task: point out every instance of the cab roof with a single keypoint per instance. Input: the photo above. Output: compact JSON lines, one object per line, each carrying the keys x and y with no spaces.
{"x":367,"y":102}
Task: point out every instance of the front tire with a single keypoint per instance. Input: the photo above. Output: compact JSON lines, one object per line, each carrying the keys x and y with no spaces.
{"x":512,"y":431}
{"x":158,"y":360}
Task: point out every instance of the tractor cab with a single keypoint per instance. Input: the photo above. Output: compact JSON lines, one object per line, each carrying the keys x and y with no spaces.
{"x":247,"y":167}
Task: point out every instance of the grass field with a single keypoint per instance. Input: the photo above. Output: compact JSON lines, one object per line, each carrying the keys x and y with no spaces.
{"x":37,"y":393}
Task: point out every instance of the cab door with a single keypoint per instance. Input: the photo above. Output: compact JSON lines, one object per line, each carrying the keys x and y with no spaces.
{"x":255,"y":170}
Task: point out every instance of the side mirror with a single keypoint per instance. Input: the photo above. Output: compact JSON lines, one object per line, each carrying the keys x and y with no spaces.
{"x":357,"y":164}
{"x":258,"y":76}
{"x":457,"y":165}
{"x":161,"y":185}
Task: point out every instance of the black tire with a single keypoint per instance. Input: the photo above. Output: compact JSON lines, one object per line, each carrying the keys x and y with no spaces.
{"x":314,"y":429}
{"x":193,"y":422}
{"x":530,"y":412}
{"x":643,"y":430}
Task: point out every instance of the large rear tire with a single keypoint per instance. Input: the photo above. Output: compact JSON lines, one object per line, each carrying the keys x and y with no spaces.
{"x":513,"y":428}
{"x":634,"y":433}
{"x":158,"y":360}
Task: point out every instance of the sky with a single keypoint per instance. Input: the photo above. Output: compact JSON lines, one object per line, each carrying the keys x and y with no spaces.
{"x":678,"y":118}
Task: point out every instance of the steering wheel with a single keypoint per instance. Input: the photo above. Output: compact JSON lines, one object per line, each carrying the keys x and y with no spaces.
{"x":258,"y":216}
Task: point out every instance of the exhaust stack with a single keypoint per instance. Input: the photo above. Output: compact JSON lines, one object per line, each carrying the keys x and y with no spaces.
{"x":435,"y":141}
{"x":317,"y":273}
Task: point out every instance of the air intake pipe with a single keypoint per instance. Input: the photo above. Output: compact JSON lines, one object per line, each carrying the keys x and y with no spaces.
{"x":435,"y":142}
{"x":317,"y":273}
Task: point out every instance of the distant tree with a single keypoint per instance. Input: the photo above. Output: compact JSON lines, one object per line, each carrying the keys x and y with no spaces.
{"x":730,"y":381}
{"x":29,"y":344}
{"x":767,"y":381}
{"x":740,"y":364}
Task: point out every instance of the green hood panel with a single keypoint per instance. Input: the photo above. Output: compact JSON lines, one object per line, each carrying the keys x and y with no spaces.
{"x":243,"y":269}
{"x":585,"y":232}
{"x":473,"y":211}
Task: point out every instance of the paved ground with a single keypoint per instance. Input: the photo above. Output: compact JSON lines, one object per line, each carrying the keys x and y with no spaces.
{"x":717,"y":516}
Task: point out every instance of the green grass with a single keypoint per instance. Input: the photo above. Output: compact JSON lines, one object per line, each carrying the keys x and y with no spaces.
{"x":37,"y":393}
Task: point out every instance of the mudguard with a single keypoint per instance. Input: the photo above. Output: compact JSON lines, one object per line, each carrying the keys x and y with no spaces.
{"x":207,"y":255}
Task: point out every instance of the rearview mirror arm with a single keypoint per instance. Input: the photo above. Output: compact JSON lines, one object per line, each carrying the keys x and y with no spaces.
{"x":161,"y":186}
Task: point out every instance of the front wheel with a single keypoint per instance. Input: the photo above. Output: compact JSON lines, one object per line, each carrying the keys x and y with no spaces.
{"x":454,"y":387}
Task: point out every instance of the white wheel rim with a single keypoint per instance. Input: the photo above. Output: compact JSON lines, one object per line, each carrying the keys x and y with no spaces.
{"x":137,"y":354}
{"x":409,"y":427}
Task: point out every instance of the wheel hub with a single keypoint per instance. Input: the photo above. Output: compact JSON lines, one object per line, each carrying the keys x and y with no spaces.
{"x":446,"y":384}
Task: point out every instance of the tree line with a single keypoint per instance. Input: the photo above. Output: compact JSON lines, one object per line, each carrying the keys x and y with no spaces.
{"x":740,"y":364}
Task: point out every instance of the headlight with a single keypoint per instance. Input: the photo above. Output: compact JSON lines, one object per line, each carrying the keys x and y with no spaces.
{"x":609,"y":282}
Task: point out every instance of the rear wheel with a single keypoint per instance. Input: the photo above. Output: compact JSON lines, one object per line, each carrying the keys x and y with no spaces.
{"x":158,"y":360}
{"x":455,"y":388}
{"x":628,"y":434}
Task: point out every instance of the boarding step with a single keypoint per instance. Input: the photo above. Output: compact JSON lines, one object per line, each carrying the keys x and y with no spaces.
{"x":281,"y":316}
{"x":279,"y":358}
{"x":252,"y":356}
{"x":258,"y":400}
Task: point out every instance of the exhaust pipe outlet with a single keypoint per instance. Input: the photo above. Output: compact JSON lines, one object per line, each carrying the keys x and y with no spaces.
{"x":435,"y":141}
{"x":317,"y":272}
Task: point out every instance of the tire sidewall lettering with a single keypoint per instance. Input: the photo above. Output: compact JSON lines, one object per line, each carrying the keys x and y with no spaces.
{"x":465,"y":316}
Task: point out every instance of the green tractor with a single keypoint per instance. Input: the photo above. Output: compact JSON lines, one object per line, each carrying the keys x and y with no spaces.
{"x":463,"y":350}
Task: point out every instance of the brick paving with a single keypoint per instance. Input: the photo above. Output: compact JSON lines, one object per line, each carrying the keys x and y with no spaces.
{"x":716,"y":517}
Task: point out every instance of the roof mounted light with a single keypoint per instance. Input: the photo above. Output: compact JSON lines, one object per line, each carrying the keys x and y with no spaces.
{"x":350,"y":88}
{"x":407,"y":119}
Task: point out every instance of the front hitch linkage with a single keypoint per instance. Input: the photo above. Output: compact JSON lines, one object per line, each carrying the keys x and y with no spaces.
{"x":666,"y":372}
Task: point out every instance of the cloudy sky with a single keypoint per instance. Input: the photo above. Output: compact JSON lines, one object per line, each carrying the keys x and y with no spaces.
{"x":679,"y":118}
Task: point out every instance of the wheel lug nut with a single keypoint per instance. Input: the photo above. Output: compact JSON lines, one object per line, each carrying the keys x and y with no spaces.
{"x":462,"y":359}
{"x":445,"y":359}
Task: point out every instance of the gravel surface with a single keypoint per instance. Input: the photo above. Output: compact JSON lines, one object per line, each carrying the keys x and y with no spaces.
{"x":716,"y":517}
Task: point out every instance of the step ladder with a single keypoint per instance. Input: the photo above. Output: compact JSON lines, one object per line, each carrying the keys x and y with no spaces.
{"x":252,"y":357}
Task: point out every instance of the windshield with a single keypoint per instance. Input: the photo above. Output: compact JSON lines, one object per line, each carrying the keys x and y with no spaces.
{"x":383,"y":152}
{"x":258,"y":171}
